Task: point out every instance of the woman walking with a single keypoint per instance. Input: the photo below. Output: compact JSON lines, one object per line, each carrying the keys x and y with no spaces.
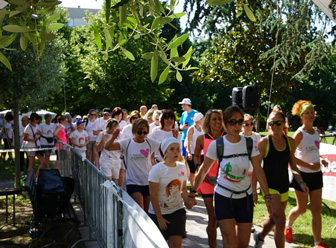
{"x":307,"y":140}
{"x":233,"y":193}
{"x":277,"y":151}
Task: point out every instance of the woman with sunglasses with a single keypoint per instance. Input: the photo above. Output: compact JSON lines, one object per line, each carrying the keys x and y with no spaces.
{"x":247,"y":132}
{"x":138,"y":154}
{"x":126,"y":132}
{"x":167,"y":129}
{"x":213,"y":128}
{"x":307,"y":140}
{"x":233,"y":193}
{"x":277,"y":151}
{"x":91,"y":152}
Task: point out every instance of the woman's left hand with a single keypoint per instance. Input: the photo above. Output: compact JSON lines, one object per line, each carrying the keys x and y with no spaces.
{"x":324,"y":162}
{"x":304,"y":188}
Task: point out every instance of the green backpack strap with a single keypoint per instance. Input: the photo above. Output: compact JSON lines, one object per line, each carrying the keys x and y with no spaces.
{"x":220,"y":149}
{"x":249,"y":146}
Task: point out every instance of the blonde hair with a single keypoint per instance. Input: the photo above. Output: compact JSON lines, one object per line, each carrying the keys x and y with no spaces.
{"x":111,"y":124}
{"x":248,"y":117}
{"x":207,"y":117}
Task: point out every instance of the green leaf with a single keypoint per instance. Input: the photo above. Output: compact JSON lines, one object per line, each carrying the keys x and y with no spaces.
{"x":187,"y":56}
{"x":105,"y":56}
{"x":177,"y":15}
{"x":6,"y":40}
{"x":17,"y":2}
{"x":178,"y":76}
{"x":172,"y":4}
{"x":14,"y":12}
{"x":55,"y":26}
{"x":48,"y":36}
{"x":108,"y":37}
{"x":178,"y":41}
{"x":218,"y":2}
{"x":154,"y":65}
{"x":123,"y":13}
{"x":147,"y":55}
{"x":249,"y":13}
{"x":97,"y":37}
{"x":54,"y":17}
{"x":178,"y":59}
{"x":54,"y":3}
{"x":23,"y":42}
{"x":174,"y":52}
{"x":164,"y":75}
{"x":108,"y":9}
{"x":16,"y":28}
{"x":128,"y":54}
{"x":5,"y":61}
{"x":137,"y":36}
{"x":163,"y":56}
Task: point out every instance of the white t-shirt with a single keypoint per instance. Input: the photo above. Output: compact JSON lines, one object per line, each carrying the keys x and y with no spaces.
{"x":21,"y":130}
{"x":233,"y":172}
{"x":80,"y":139}
{"x":89,"y":129}
{"x":8,"y":126}
{"x":126,"y":133}
{"x":159,"y":135}
{"x":100,"y":124}
{"x":151,"y":127}
{"x":122,"y":124}
{"x":256,"y":138}
{"x":47,"y":131}
{"x":138,"y":159}
{"x":194,"y":138}
{"x":29,"y":130}
{"x":308,"y":150}
{"x":105,"y":154}
{"x":170,"y":180}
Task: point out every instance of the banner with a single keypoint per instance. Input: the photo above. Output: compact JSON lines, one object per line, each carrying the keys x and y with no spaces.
{"x":328,"y":152}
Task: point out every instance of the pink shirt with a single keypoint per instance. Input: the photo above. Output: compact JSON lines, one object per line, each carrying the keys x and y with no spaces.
{"x":62,"y":136}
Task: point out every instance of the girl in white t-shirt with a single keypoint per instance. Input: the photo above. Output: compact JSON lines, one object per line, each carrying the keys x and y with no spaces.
{"x":91,"y":152}
{"x":139,"y":158}
{"x":80,"y":138}
{"x":109,"y":161}
{"x":168,"y":191}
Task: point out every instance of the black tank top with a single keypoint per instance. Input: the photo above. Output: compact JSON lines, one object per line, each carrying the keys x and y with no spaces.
{"x":276,"y":166}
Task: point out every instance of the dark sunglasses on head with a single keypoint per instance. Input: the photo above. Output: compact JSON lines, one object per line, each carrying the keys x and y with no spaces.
{"x":106,"y":114}
{"x":233,"y":122}
{"x":142,"y":132}
{"x":248,"y":124}
{"x":272,"y":123}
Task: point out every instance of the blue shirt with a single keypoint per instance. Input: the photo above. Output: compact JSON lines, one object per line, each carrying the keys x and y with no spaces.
{"x":186,"y":118}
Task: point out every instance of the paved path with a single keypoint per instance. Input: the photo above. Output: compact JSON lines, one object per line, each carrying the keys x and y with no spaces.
{"x":196,"y":235}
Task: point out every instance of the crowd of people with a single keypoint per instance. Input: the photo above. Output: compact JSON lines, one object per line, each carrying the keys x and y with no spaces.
{"x":153,"y":157}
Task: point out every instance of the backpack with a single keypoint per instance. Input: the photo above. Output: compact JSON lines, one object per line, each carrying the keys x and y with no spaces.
{"x":220,"y":155}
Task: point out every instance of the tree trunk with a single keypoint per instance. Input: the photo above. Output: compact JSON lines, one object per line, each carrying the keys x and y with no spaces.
{"x":257,"y":119}
{"x":17,"y":144}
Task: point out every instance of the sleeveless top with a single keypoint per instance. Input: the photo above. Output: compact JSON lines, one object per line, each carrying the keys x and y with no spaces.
{"x":308,"y":149}
{"x":62,"y":135}
{"x":276,"y":166}
{"x":205,"y":187}
{"x":194,"y":138}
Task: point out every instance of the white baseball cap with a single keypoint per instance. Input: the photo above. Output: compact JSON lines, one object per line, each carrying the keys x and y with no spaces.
{"x":185,"y":101}
{"x":197,"y":117}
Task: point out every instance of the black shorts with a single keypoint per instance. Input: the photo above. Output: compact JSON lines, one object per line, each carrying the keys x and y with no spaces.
{"x":314,"y":181}
{"x":192,"y":165}
{"x":131,"y":189}
{"x":6,"y":143}
{"x":207,"y":195}
{"x":240,"y":210}
{"x":176,"y":226}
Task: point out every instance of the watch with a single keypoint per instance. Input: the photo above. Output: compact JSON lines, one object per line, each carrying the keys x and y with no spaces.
{"x":192,"y":190}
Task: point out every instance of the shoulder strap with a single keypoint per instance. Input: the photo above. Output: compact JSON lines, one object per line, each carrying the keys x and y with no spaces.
{"x":125,"y":160}
{"x":249,"y":146}
{"x":150,"y":147}
{"x":219,"y":149}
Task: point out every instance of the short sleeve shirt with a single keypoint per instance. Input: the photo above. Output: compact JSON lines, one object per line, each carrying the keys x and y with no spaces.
{"x":105,"y":154}
{"x":233,"y":172}
{"x":186,"y":118}
{"x":170,"y":180}
{"x":47,"y":131}
{"x":80,"y":138}
{"x":138,"y":159}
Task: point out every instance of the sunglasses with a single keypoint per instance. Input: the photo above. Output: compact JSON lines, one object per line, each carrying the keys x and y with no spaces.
{"x":272,"y":123}
{"x":248,"y":124}
{"x":93,"y":114}
{"x":106,"y":114}
{"x":142,"y":132}
{"x":233,"y":122}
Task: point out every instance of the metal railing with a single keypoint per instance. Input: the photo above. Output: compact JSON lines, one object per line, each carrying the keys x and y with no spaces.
{"x":113,"y":217}
{"x":103,"y":218}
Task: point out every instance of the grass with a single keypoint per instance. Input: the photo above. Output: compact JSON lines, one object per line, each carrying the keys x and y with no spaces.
{"x":303,"y":235}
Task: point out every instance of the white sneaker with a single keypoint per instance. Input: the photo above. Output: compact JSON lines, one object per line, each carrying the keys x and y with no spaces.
{"x":258,"y":243}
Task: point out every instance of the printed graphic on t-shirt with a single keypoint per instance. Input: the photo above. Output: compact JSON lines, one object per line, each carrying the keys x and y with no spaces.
{"x":313,"y":147}
{"x":173,"y":194}
{"x":227,"y":170}
{"x":81,"y":140}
